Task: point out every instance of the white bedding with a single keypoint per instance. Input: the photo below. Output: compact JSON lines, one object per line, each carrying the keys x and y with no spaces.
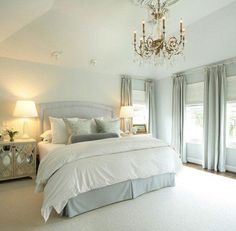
{"x":45,"y":148}
{"x":81,"y":167}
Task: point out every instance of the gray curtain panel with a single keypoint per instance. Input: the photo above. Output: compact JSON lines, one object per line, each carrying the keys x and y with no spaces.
{"x":151,"y":106}
{"x":126,"y":96}
{"x":178,"y":111}
{"x":215,"y":118}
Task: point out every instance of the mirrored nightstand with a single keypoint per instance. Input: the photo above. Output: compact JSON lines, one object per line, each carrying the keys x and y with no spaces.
{"x":17,"y":159}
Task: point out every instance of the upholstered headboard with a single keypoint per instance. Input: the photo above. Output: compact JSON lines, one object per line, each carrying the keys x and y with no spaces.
{"x":69,"y":109}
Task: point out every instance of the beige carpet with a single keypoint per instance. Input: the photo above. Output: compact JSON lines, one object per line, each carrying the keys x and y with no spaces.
{"x":200,"y":202}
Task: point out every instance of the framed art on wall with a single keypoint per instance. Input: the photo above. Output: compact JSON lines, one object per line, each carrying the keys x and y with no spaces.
{"x":140,"y":128}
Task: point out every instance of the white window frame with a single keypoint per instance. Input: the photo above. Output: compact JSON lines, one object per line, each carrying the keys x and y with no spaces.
{"x":193,"y":105}
{"x":231,"y":145}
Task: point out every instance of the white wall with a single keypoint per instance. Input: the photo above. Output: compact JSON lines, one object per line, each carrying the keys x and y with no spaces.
{"x":48,"y":83}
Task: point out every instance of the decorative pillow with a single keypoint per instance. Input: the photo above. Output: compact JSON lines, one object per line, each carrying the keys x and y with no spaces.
{"x":94,"y":125}
{"x":79,"y":127}
{"x":59,"y":131}
{"x":47,"y":136}
{"x":108,"y":125}
{"x":90,"y":137}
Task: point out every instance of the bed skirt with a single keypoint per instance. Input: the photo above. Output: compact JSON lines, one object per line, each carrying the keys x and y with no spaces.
{"x":127,"y":190}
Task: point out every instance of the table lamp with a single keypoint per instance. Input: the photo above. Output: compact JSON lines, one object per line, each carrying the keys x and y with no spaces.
{"x":25,"y":109}
{"x":127,"y":113}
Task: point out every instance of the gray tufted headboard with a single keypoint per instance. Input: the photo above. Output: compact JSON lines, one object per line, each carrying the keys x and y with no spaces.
{"x":69,"y":109}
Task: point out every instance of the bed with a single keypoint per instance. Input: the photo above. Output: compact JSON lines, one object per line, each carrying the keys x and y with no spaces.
{"x":84,"y":176}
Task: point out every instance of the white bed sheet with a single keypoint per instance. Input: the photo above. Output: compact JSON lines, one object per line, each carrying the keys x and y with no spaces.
{"x":45,"y":148}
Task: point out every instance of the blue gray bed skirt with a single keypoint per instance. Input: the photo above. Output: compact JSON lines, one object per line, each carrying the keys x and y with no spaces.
{"x":127,"y":190}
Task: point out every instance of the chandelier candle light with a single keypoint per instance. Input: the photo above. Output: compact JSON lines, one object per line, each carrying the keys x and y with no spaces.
{"x":159,"y":47}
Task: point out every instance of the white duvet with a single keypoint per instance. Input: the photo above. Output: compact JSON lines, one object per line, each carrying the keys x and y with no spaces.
{"x":77,"y":168}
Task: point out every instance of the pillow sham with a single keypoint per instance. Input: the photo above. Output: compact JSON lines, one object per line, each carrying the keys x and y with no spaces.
{"x":108,"y":126}
{"x":78,"y":127}
{"x":94,"y":125}
{"x":91,"y":137}
{"x":59,"y":131}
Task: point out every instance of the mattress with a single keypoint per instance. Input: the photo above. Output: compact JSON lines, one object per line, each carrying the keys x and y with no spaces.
{"x":45,"y":148}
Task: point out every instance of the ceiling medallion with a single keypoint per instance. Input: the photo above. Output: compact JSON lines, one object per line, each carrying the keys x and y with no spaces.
{"x":159,"y":47}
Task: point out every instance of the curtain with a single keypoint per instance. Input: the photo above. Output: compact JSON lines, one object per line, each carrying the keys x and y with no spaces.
{"x":126,"y":96}
{"x":151,"y":107}
{"x":178,"y":109}
{"x":215,"y":118}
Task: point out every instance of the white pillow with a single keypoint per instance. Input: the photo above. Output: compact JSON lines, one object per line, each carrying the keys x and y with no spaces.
{"x":47,"y":136}
{"x":59,"y":131}
{"x":108,"y":125}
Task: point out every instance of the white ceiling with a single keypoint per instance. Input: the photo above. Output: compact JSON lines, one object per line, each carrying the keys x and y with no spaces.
{"x":102,"y":30}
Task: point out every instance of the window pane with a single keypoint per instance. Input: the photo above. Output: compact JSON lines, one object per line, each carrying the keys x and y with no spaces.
{"x":140,"y":115}
{"x":194,"y":124}
{"x":231,"y":123}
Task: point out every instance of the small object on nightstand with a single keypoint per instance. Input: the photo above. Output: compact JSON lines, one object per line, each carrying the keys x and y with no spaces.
{"x":134,"y":130}
{"x":11,"y":133}
{"x":141,"y":128}
{"x":17,"y":159}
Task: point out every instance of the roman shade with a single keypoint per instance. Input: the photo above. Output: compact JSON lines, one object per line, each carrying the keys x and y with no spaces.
{"x":195,"y":93}
{"x":231,"y":88}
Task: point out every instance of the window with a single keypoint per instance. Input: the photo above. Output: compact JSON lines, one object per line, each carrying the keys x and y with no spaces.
{"x":231,"y":124}
{"x":139,"y":104}
{"x":194,"y":124}
{"x":231,"y":112}
{"x":194,"y":113}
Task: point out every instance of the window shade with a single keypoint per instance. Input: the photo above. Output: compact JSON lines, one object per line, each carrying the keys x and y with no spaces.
{"x":231,"y":88}
{"x":195,"y":93}
{"x":138,"y":97}
{"x":138,"y":84}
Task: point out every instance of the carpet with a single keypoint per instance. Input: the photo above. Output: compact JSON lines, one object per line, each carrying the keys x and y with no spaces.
{"x":200,"y":201}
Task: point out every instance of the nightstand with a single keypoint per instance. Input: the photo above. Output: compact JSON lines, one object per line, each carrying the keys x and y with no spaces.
{"x":17,"y":159}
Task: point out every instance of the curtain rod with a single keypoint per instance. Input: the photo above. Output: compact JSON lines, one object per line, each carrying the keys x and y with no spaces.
{"x":136,"y":78}
{"x":196,"y":69}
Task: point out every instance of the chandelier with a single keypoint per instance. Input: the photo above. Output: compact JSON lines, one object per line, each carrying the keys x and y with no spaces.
{"x":159,"y":47}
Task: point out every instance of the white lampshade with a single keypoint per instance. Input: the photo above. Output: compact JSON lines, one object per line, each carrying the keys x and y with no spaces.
{"x":126,"y":112}
{"x":25,"y":109}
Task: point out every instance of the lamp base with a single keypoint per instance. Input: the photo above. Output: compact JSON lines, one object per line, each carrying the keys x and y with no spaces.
{"x":25,"y":129}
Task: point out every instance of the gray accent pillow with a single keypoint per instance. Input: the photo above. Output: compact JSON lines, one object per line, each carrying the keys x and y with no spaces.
{"x":90,"y":137}
{"x":108,"y":125}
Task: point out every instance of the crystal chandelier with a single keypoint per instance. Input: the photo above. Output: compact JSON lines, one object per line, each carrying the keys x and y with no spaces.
{"x":159,"y":47}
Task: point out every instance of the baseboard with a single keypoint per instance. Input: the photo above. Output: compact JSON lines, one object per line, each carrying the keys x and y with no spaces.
{"x":230,"y":168}
{"x":198,"y":161}
{"x":194,"y":160}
